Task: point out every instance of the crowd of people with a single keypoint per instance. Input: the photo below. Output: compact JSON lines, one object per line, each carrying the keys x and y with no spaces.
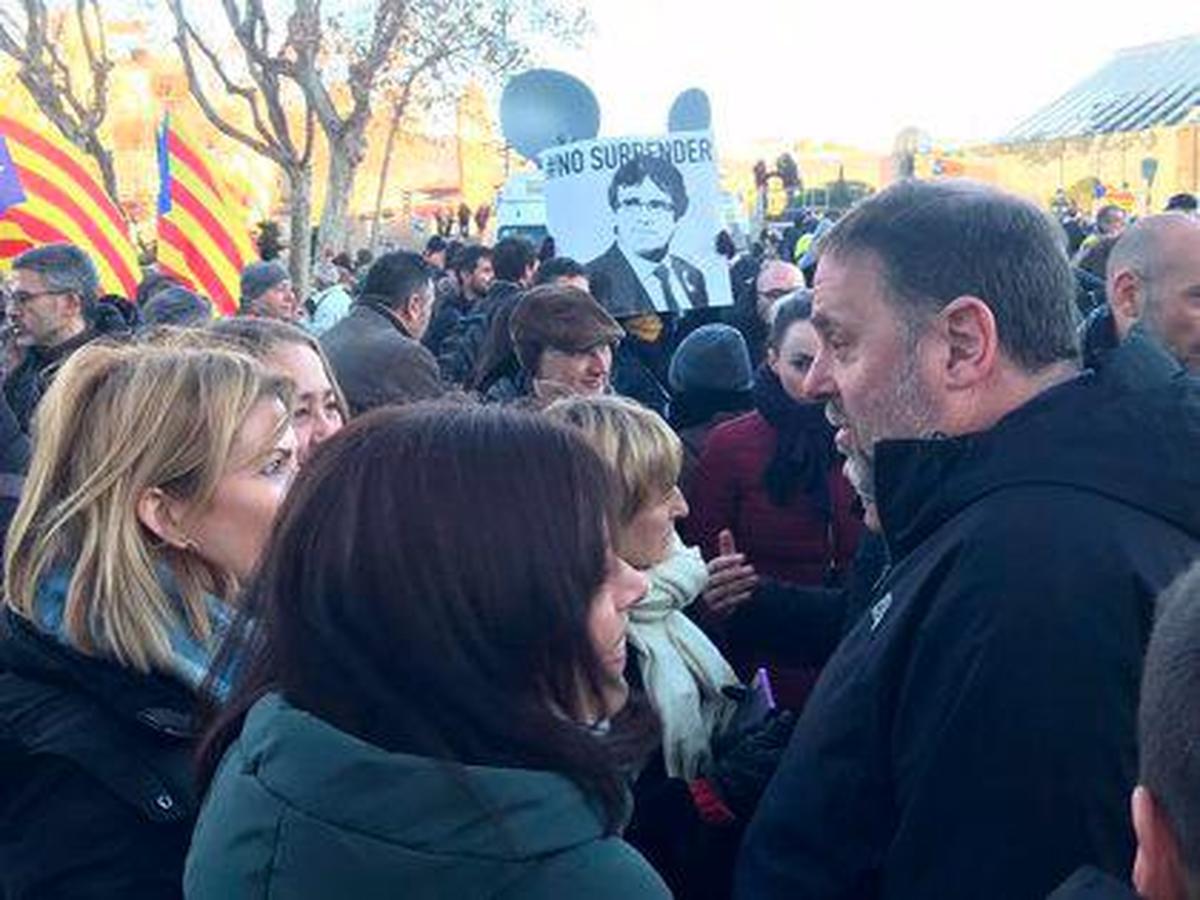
{"x":883,"y":582}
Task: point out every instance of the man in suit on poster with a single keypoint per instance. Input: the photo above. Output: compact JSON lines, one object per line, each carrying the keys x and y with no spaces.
{"x":638,"y":272}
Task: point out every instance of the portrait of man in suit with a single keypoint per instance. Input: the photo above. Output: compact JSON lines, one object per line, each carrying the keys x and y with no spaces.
{"x":639,"y":273}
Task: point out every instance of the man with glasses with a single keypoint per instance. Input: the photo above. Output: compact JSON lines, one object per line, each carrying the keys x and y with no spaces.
{"x":50,"y":312}
{"x":648,"y":199}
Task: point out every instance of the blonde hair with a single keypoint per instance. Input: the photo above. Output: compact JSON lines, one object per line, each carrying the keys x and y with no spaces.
{"x":117,"y":421}
{"x":643,"y":452}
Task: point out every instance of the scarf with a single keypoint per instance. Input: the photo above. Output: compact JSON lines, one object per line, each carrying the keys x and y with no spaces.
{"x":682,"y":671}
{"x":190,"y":657}
{"x":804,"y":450}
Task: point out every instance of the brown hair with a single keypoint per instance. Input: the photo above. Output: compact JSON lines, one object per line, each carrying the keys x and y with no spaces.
{"x":369,"y":614}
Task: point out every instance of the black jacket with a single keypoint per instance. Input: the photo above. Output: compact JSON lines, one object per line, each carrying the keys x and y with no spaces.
{"x":96,"y":795}
{"x":377,"y":362}
{"x":461,"y":351}
{"x":450,"y":310}
{"x":1092,"y":884}
{"x":14,"y":460}
{"x":974,"y":734}
{"x":624,"y":295}
{"x":25,"y":384}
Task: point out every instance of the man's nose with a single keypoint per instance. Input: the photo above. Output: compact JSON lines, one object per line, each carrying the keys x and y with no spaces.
{"x":818,"y":383}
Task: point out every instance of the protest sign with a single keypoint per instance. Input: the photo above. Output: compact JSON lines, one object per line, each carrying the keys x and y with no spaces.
{"x":642,"y":213}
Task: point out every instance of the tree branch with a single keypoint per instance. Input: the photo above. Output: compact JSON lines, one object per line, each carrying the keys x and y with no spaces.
{"x":185,"y":33}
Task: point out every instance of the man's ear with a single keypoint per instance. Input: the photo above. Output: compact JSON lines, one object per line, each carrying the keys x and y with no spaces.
{"x":971,"y":339}
{"x":161,"y":515}
{"x":1158,"y":872}
{"x":1125,"y":300}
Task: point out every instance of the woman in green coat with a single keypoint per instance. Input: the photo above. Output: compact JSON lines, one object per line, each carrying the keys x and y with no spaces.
{"x":430,"y":698}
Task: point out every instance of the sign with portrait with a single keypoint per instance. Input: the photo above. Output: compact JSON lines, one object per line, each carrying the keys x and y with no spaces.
{"x":642,"y":214}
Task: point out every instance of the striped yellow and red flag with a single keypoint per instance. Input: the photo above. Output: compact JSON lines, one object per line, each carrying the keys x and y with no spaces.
{"x":50,"y":192}
{"x":203,"y":238}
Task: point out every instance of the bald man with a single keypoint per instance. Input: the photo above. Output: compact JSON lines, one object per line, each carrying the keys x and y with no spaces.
{"x":1153,"y":277}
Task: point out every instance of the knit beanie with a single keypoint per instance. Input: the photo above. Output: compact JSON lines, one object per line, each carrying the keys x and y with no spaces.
{"x":712,"y":358}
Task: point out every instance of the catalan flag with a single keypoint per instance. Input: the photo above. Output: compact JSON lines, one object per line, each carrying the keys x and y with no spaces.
{"x":50,"y":192}
{"x":202,"y":235}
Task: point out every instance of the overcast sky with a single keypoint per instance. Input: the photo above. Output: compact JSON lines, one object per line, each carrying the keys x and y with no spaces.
{"x":851,"y":71}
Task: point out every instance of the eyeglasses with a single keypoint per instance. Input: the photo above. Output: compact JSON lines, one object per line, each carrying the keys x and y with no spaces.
{"x":655,"y":206}
{"x":24,"y":298}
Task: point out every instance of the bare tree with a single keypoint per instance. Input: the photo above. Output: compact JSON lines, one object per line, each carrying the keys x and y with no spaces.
{"x":443,"y":42}
{"x":363,"y":62}
{"x":255,"y":80}
{"x":77,"y":110}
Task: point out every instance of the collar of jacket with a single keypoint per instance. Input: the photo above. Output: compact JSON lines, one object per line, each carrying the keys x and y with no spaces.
{"x":381,"y":309}
{"x":1127,"y":431}
{"x":428,"y":804}
{"x":44,"y":357}
{"x":151,"y":700}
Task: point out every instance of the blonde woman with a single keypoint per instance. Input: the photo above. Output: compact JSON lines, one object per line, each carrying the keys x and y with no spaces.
{"x":691,"y":802}
{"x":154,"y":482}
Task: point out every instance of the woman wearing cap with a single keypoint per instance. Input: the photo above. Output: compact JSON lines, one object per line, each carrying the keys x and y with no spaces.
{"x":564,"y":341}
{"x":154,"y":483}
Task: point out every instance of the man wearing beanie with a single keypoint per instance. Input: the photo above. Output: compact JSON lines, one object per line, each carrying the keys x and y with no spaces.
{"x":267,"y":292}
{"x":564,"y":341}
{"x":177,"y":306}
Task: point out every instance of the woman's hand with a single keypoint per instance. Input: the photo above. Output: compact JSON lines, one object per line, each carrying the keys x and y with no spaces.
{"x":731,"y":580}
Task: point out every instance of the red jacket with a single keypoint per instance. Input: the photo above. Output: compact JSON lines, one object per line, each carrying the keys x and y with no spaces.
{"x":792,"y":543}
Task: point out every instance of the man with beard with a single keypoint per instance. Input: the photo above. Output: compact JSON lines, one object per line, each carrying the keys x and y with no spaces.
{"x":973,"y":734}
{"x":1154,"y":281}
{"x":51,"y":313}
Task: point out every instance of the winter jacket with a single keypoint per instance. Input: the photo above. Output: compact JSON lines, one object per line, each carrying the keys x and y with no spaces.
{"x":445,"y":327}
{"x":1091,"y":884}
{"x":974,"y":734}
{"x":1099,"y":336}
{"x":301,"y":809}
{"x":794,"y":543}
{"x":377,"y":362}
{"x":96,"y":795}
{"x":460,"y":352}
{"x":14,"y":461}
{"x":28,"y":381}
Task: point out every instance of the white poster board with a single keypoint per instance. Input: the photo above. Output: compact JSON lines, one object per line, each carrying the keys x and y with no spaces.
{"x":642,"y":214}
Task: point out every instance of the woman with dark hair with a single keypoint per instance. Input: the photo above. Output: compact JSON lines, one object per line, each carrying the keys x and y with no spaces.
{"x":413,"y":720}
{"x":772,"y":479}
{"x":319,"y":410}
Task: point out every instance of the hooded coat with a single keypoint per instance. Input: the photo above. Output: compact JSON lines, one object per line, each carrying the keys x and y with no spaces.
{"x":974,"y":735}
{"x":300,"y":809}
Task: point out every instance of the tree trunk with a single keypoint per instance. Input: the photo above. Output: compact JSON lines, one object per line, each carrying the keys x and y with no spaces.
{"x":108,"y":172}
{"x":300,"y":217}
{"x":344,"y":156}
{"x":384,"y":172}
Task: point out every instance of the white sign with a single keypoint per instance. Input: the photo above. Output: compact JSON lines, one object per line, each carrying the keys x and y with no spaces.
{"x":642,"y":214}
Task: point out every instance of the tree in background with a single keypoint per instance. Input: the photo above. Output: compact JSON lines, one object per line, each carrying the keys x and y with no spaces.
{"x":443,"y":43}
{"x":35,"y":40}
{"x":258,"y":77}
{"x":327,"y":47}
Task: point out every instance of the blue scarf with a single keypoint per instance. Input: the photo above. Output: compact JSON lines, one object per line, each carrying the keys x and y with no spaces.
{"x":190,"y":657}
